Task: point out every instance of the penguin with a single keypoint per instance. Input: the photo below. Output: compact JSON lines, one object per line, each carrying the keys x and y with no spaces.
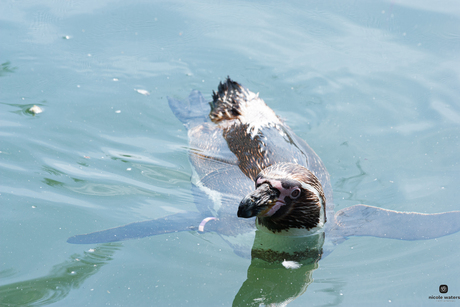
{"x":251,"y":171}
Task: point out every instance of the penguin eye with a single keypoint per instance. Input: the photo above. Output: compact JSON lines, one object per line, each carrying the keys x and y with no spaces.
{"x":295,"y":193}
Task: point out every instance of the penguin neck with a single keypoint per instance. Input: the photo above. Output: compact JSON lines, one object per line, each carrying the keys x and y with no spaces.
{"x":274,"y":247}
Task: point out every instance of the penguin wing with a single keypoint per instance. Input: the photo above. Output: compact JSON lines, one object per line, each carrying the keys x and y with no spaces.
{"x":362,"y":220}
{"x":184,"y":221}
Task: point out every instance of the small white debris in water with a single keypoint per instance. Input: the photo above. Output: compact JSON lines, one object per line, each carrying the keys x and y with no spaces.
{"x":128,"y":169}
{"x":33,"y":207}
{"x":91,"y":290}
{"x":143,"y":92}
{"x":118,"y":111}
{"x":73,"y":273}
{"x":91,"y":250}
{"x":291,"y":264}
{"x":35,"y":109}
{"x":115,"y":79}
{"x":89,"y":54}
{"x":66,"y":37}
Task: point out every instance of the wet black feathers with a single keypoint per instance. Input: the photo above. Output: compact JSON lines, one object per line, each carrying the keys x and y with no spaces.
{"x":226,"y":102}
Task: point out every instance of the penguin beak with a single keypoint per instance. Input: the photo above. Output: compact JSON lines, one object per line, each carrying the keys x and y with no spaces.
{"x":258,"y":202}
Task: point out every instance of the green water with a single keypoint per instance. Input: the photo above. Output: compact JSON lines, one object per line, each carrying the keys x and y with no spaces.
{"x":372,"y":86}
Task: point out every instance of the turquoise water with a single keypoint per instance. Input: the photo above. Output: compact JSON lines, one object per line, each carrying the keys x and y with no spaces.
{"x":372,"y":86}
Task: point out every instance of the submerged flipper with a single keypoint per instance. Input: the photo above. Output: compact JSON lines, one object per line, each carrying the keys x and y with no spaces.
{"x":172,"y":223}
{"x":362,"y":220}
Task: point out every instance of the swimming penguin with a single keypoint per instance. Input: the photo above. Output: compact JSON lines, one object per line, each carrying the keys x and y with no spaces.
{"x":242,"y":144}
{"x":258,"y":185}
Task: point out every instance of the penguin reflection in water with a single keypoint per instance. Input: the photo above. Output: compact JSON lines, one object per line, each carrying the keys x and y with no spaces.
{"x":242,"y":144}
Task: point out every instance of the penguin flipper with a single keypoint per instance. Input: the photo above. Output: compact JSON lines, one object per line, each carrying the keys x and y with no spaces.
{"x":362,"y":220}
{"x":173,"y":223}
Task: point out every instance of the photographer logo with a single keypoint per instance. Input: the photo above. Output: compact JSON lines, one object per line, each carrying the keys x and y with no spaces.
{"x":443,"y":288}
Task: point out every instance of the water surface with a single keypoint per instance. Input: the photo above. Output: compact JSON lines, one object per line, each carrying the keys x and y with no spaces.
{"x":372,"y":86}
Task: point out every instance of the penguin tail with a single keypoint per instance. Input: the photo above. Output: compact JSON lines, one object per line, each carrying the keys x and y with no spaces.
{"x":226,"y":104}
